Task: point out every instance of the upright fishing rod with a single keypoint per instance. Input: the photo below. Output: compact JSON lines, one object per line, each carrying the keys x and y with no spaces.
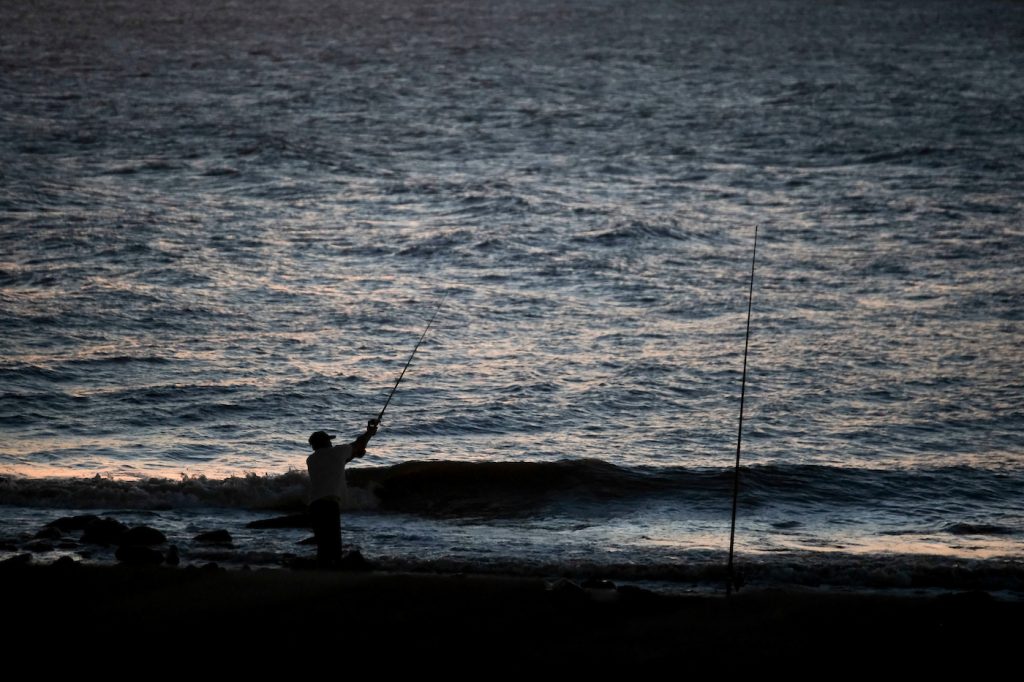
{"x":380,"y":417}
{"x":739,"y":434}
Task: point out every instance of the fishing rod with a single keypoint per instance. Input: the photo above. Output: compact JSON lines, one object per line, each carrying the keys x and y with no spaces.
{"x":739,"y":435}
{"x":411,"y":356}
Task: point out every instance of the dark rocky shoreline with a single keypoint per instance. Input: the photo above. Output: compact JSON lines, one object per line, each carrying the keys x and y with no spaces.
{"x":459,"y":622}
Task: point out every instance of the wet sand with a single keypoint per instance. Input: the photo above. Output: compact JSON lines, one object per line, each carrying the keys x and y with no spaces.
{"x":462,"y":622}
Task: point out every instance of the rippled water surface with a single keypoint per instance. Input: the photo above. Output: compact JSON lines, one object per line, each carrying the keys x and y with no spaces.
{"x":224,"y":225}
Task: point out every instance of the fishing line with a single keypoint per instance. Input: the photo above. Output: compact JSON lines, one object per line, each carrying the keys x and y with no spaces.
{"x":739,"y":434}
{"x":380,"y":417}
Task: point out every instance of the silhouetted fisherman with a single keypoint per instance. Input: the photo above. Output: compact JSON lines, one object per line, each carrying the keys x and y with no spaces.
{"x":327,"y":479}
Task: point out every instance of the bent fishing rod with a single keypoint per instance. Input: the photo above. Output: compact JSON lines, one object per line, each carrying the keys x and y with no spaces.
{"x":739,"y":435}
{"x":380,"y":416}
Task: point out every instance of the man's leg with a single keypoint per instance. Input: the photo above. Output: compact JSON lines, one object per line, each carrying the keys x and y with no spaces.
{"x":326,"y":518}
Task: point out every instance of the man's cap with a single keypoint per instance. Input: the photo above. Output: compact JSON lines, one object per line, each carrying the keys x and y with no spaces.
{"x":320,"y":437}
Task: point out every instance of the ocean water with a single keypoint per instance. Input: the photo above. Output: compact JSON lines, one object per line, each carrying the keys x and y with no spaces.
{"x":224,"y":225}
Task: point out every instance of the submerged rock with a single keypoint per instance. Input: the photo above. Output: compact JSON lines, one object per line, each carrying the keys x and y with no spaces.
{"x":214,"y":537}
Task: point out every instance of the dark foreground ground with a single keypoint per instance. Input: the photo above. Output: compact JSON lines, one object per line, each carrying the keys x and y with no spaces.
{"x":486,"y":626}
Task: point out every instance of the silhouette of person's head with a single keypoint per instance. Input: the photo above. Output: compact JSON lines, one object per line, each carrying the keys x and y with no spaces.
{"x":320,"y":439}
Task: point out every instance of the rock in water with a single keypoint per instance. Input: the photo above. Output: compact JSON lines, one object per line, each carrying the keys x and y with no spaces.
{"x":69,"y":523}
{"x":49,"y":533}
{"x":214,"y":537}
{"x":105,"y":531}
{"x":135,"y":546}
{"x":143,"y":535}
